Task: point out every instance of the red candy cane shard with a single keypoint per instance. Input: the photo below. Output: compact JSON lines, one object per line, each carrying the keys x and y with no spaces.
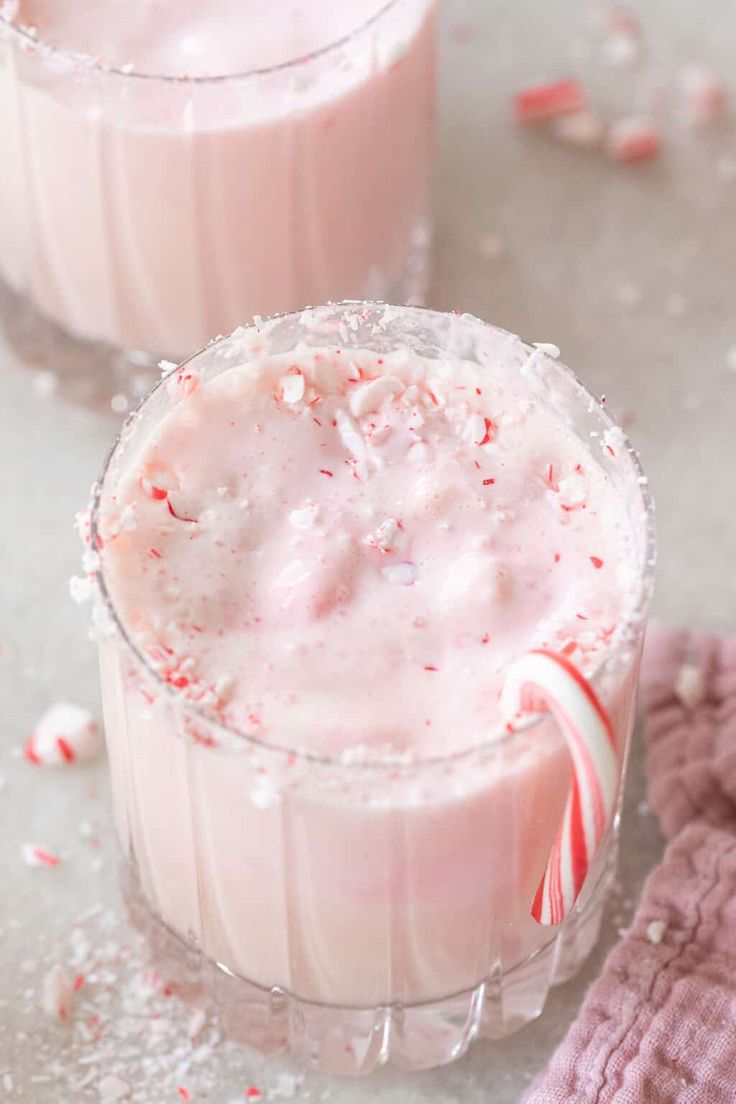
{"x":548,"y":101}
{"x":548,"y":679}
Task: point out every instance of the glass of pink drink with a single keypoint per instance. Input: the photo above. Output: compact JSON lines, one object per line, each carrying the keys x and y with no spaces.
{"x":170,"y":167}
{"x":317,"y":548}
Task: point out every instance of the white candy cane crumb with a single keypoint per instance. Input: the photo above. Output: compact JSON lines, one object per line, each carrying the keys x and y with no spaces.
{"x":81,"y":589}
{"x":400,"y":574}
{"x":548,"y":349}
{"x":368,"y":397}
{"x":112,"y":1088}
{"x":292,"y":387}
{"x":704,"y":96}
{"x":633,"y":138}
{"x":56,"y":993}
{"x":45,"y":383}
{"x":36,"y":854}
{"x":197,"y":1020}
{"x":65,"y":734}
{"x":286,"y":1086}
{"x":622,"y":49}
{"x":305,"y":517}
{"x":614,"y":439}
{"x":690,"y":685}
{"x":656,"y":930}
{"x":584,"y":129}
{"x":385,"y":535}
{"x":264,"y":796}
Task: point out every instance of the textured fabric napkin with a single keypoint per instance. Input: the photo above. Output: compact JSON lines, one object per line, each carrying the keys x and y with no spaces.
{"x":659,"y":1025}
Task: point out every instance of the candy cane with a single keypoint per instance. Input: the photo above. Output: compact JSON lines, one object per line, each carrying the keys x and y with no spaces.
{"x":540,"y":679}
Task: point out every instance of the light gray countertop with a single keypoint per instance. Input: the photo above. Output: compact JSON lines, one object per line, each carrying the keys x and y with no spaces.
{"x":631,"y":271}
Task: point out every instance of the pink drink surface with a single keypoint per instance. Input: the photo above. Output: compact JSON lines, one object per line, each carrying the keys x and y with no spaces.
{"x":333,"y":524}
{"x":339,"y":553}
{"x":155,"y":214}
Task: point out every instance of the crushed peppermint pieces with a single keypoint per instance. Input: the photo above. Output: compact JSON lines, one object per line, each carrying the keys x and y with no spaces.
{"x":65,"y":734}
{"x":703,"y":95}
{"x":286,"y":1086}
{"x":633,"y":138}
{"x":623,"y":39}
{"x":292,"y":386}
{"x":113,"y":1088}
{"x":34,"y":854}
{"x":400,"y":574}
{"x":122,"y":1041}
{"x":56,"y":993}
{"x":542,"y":102}
{"x":583,"y":129}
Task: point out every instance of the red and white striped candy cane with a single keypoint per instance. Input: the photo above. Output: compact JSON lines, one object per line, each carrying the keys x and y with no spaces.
{"x":542,"y":678}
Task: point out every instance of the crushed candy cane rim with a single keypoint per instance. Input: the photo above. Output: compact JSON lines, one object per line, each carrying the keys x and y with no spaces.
{"x":337,"y":320}
{"x":35,"y":43}
{"x":541,"y":680}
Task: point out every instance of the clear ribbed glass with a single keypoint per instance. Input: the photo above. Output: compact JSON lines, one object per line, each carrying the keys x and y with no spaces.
{"x":141,"y":215}
{"x":358,"y":913}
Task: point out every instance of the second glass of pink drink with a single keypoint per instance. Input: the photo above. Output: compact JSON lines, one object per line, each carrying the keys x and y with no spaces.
{"x":321,"y":551}
{"x":170,"y":168}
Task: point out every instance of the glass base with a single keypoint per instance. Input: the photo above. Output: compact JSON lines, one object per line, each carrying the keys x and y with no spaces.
{"x":103,"y":376}
{"x":356,"y":1041}
{"x":92,"y":373}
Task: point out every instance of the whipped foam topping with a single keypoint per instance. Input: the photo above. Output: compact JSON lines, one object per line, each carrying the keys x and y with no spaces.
{"x":335,"y":550}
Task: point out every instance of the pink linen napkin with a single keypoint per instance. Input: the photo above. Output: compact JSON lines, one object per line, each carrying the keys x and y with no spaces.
{"x":659,"y":1025}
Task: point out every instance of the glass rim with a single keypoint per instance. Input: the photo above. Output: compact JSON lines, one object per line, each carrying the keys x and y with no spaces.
{"x":627,"y":629}
{"x":95,"y":65}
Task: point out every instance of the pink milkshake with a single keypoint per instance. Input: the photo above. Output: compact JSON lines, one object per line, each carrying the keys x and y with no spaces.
{"x":318,"y":548}
{"x":172,"y":167}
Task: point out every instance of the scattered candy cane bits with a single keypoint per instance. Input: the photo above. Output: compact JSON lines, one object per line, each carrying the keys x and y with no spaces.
{"x":582,"y":129}
{"x":35,"y":854}
{"x":157,"y":493}
{"x":113,"y":1088}
{"x":161,"y":494}
{"x":548,"y":678}
{"x":56,"y":993}
{"x":623,"y":20}
{"x":633,"y":138}
{"x":703,"y":95}
{"x":65,"y":734}
{"x":542,"y":102}
{"x":179,"y":517}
